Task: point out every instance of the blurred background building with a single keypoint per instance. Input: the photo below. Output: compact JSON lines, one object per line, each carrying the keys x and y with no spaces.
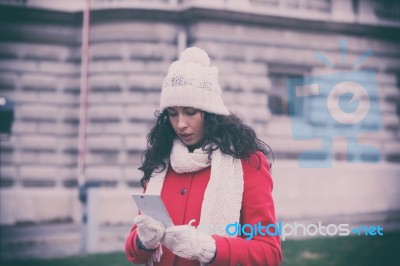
{"x":257,"y":44}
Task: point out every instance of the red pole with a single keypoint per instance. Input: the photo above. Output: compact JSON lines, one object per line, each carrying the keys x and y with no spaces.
{"x":84,"y":94}
{"x":83,"y":192}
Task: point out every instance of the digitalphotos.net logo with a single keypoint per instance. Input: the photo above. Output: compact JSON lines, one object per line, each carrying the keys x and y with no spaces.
{"x":342,"y":104}
{"x":284,"y":230}
{"x":249,"y":231}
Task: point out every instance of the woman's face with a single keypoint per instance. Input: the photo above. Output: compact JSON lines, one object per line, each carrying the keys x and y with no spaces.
{"x":188,"y":124}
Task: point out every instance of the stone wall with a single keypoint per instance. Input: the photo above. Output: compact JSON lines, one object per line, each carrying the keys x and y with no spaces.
{"x":130,"y":52}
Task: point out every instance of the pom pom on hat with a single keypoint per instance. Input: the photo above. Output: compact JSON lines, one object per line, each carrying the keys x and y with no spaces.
{"x":195,"y":55}
{"x":192,"y":82}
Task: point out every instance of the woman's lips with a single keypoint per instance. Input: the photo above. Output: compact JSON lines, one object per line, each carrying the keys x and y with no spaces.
{"x":186,"y":137}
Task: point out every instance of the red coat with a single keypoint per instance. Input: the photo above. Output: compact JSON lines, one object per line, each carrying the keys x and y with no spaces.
{"x":183,"y":194}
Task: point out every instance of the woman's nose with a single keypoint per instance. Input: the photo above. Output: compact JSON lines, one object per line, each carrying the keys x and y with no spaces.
{"x":182,"y":122}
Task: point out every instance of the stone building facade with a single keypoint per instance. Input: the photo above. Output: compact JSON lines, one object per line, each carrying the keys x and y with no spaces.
{"x":257,"y":45}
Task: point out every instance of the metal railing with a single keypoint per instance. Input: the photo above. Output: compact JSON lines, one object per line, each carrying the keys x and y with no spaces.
{"x":323,"y":6}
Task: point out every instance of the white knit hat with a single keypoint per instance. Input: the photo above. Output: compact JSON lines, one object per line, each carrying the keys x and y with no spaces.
{"x":192,"y":82}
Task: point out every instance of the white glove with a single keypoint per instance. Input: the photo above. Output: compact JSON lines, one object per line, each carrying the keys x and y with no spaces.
{"x":149,"y":230}
{"x":189,"y":243}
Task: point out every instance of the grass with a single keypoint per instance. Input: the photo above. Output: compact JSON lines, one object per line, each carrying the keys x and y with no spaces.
{"x":110,"y":259}
{"x":342,"y":251}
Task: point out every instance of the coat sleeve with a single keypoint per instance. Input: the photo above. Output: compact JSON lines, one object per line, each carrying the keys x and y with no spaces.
{"x":257,"y":206}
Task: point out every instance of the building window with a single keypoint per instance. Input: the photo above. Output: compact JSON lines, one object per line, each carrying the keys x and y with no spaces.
{"x":278,"y":102}
{"x":387,"y":9}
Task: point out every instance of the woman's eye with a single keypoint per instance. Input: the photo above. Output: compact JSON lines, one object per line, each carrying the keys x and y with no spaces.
{"x":172,"y":114}
{"x":191,"y":112}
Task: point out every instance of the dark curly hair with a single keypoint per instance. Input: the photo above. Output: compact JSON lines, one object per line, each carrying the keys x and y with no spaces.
{"x":229,"y":134}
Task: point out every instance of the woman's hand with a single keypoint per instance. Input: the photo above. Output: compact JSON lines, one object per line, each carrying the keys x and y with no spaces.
{"x":149,"y":230}
{"x":189,"y":243}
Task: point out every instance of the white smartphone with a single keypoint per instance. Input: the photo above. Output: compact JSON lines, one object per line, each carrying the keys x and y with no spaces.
{"x":153,"y":206}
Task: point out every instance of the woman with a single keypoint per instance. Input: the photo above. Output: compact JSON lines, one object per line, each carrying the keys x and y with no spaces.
{"x":211,"y":171}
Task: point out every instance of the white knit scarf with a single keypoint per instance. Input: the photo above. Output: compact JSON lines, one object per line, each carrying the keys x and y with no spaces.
{"x":223,"y":196}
